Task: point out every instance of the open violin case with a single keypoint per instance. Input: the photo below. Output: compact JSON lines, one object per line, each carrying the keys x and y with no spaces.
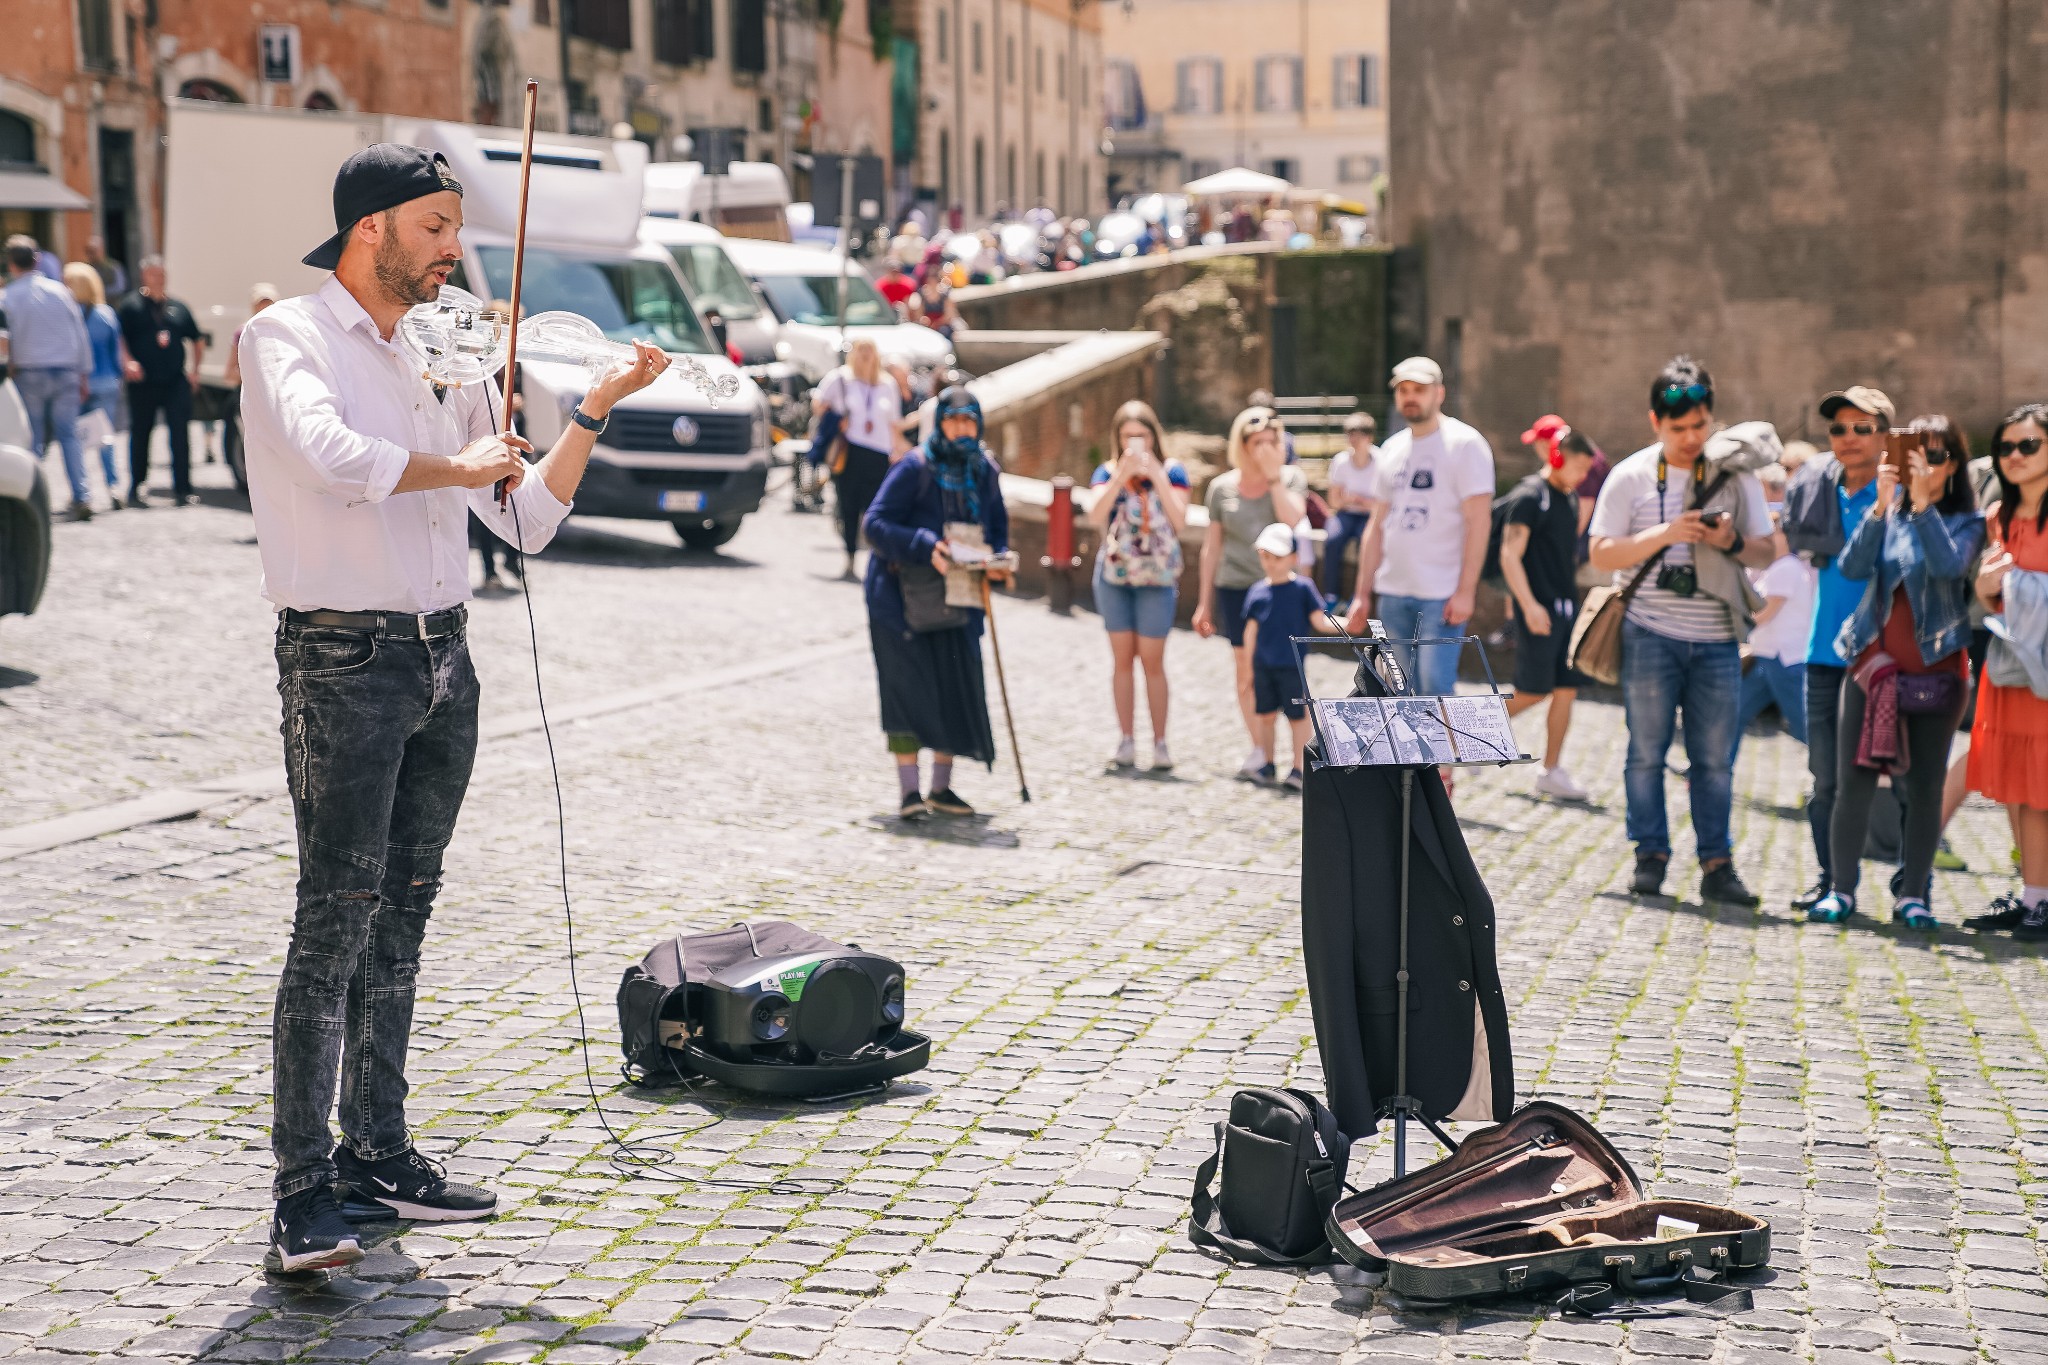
{"x":1538,"y":1201}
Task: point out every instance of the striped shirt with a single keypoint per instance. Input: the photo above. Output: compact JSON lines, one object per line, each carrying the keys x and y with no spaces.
{"x":1630,"y":503}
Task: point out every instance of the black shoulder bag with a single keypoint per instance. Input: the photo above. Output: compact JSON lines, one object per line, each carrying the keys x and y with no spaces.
{"x":1283,"y":1165}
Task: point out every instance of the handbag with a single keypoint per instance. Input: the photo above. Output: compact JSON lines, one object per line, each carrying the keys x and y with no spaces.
{"x":1595,"y":649}
{"x":1282,"y":1157}
{"x":924,"y":599}
{"x":1922,"y":694}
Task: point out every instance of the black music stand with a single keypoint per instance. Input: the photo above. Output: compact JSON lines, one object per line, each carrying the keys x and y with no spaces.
{"x":1491,"y":746}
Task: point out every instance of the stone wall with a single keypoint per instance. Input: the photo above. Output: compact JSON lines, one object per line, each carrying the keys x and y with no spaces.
{"x":1802,"y":193}
{"x":1048,"y":413}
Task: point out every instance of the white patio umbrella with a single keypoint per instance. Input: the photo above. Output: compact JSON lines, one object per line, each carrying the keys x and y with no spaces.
{"x":1238,"y":180}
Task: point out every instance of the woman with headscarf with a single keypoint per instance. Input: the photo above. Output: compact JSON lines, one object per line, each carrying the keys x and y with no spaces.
{"x":928,"y":656}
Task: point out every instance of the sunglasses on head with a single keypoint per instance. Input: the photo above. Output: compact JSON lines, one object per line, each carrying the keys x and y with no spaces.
{"x":1675,"y":394}
{"x":2029,"y":446}
{"x":1260,"y":419}
{"x":1844,"y":428}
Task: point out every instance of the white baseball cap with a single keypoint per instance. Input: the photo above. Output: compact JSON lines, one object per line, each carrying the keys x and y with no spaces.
{"x":1418,"y":369}
{"x":1276,"y":539}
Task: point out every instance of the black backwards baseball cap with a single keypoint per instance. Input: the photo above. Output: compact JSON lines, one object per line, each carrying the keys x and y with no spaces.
{"x":377,"y":178}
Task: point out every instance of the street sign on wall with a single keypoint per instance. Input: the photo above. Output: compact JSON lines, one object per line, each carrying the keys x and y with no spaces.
{"x":277,"y":54}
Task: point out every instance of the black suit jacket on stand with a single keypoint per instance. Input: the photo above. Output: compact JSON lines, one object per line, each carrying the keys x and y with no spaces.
{"x":1459,"y":1062}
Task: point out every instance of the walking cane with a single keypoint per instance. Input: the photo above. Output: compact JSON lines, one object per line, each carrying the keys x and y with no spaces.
{"x":1002,"y":683}
{"x":518,"y":262}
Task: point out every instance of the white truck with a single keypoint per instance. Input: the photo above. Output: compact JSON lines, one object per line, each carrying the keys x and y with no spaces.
{"x":669,"y":454}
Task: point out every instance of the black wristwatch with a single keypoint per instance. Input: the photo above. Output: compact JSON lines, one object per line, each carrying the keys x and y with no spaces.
{"x":1736,"y":547}
{"x":587,"y":422}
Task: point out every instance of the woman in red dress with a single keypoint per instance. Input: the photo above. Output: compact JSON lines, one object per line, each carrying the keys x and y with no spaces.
{"x":2009,"y":743}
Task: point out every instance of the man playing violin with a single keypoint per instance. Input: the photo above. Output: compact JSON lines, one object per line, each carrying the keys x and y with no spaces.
{"x":362,"y":476}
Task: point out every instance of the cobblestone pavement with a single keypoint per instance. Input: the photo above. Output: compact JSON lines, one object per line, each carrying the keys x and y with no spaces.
{"x":1883,"y":1099}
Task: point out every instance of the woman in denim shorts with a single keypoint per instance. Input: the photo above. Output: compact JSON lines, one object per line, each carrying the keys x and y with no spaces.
{"x":1139,"y":508}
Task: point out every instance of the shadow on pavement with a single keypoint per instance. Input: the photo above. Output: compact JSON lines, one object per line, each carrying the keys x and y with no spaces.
{"x":975,"y":832}
{"x":18,"y":677}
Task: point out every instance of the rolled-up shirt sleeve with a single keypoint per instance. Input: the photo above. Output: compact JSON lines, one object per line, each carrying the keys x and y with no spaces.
{"x":540,"y":512}
{"x":291,"y":401}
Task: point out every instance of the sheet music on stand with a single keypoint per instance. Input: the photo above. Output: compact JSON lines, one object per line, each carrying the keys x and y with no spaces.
{"x":1402,"y":729}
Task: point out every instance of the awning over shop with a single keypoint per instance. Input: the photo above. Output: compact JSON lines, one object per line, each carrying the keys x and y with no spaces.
{"x":33,"y":190}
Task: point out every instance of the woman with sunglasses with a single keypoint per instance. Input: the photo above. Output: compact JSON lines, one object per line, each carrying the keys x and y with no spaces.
{"x":2009,"y":742}
{"x":1259,"y":489}
{"x":1907,"y":643}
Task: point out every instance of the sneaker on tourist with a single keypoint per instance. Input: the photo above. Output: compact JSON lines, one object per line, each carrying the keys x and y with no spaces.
{"x":1126,"y":755}
{"x":946,"y":802}
{"x":1912,"y":912}
{"x":1811,"y":896}
{"x":1162,"y":761}
{"x":1721,"y":883}
{"x":1293,"y":781}
{"x":1836,"y":907}
{"x":1947,"y":859}
{"x":2004,"y":912}
{"x":308,"y":1233}
{"x":1255,"y":768}
{"x":913,"y":807}
{"x":1649,"y":878}
{"x":78,"y":512}
{"x":2033,"y":926}
{"x":847,"y":572}
{"x":413,"y":1186}
{"x":181,"y":499}
{"x":1558,"y":784}
{"x":137,"y":498}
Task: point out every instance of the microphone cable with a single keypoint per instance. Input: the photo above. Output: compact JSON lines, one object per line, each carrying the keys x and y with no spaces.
{"x":638,"y":1158}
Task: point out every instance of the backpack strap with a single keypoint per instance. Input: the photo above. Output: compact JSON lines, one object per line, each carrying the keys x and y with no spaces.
{"x":1205,"y":1221}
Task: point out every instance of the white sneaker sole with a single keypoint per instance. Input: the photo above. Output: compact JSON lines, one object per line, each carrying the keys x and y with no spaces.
{"x":432,"y":1213}
{"x":347,"y":1253}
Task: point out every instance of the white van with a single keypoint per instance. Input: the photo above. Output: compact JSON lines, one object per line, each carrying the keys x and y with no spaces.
{"x":750,"y":200}
{"x":716,"y":284}
{"x":801,"y":287}
{"x":669,"y":453}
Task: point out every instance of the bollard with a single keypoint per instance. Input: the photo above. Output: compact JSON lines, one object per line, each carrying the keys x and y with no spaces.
{"x":1059,"y":560}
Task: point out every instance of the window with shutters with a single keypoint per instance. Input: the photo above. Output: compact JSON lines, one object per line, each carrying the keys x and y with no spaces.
{"x":1123,"y":97}
{"x":1276,"y":84}
{"x":750,"y":35}
{"x":977,"y":47}
{"x":1355,"y":81}
{"x":1198,"y":85}
{"x":608,"y":23}
{"x":672,"y":32}
{"x":1358,"y":168}
{"x":97,"y":47}
{"x":944,"y":38}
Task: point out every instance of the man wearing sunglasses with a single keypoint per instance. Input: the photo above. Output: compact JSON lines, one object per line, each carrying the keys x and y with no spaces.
{"x":1824,"y":499}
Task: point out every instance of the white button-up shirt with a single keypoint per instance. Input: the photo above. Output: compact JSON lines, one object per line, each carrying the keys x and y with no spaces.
{"x":331,"y":413}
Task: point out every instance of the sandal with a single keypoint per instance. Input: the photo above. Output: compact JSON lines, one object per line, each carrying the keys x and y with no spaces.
{"x":1914,"y":914}
{"x":1837,"y":907}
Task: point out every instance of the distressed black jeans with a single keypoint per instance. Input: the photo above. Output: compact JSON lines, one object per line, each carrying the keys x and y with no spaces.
{"x":379,"y":737}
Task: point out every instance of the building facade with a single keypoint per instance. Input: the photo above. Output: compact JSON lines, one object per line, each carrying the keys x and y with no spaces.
{"x":1294,"y":88}
{"x":1010,"y":114}
{"x":1804,"y":194}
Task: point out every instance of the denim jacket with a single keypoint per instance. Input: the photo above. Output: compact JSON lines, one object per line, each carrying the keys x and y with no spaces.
{"x":1931,"y":554}
{"x":1812,"y":519}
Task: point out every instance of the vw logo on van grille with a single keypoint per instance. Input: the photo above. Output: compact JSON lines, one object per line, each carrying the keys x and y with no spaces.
{"x":684,"y":430}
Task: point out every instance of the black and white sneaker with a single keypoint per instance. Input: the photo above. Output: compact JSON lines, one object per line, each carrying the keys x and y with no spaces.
{"x":946,"y":802}
{"x":308,"y":1233}
{"x":413,"y":1187}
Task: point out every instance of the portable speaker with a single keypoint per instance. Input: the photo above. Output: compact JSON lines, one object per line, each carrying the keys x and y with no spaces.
{"x":802,"y":1007}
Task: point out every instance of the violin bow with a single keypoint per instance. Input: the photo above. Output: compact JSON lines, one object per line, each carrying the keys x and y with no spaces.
{"x":518,"y":259}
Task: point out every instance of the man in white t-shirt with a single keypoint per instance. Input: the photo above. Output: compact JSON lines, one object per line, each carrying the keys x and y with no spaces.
{"x":1351,"y":489}
{"x":1681,"y":650}
{"x":1431,"y":509}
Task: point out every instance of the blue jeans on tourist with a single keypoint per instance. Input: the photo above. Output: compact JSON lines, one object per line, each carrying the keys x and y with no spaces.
{"x":1343,"y":530}
{"x":1661,"y":677}
{"x":1770,"y":682}
{"x":51,"y":396}
{"x":104,"y":396}
{"x":1418,"y":618}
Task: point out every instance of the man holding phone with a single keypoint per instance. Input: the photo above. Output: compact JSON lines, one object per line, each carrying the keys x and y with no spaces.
{"x":1827,"y":497}
{"x":1663,"y":517}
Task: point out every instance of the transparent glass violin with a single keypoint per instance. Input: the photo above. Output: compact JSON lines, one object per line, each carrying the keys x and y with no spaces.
{"x":459,"y":340}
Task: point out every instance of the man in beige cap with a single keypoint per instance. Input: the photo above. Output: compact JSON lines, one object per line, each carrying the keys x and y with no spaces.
{"x":1826,"y":498}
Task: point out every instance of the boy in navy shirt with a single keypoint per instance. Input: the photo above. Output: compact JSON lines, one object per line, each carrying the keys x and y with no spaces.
{"x":1283,"y":606}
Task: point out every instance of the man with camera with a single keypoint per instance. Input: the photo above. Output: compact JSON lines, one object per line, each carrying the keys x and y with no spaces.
{"x":1681,"y":533}
{"x":1824,"y":500}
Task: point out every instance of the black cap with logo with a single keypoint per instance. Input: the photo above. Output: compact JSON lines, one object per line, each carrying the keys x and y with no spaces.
{"x":377,"y":178}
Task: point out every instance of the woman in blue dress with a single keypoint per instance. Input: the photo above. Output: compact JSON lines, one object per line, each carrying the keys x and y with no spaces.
{"x":932,"y":691}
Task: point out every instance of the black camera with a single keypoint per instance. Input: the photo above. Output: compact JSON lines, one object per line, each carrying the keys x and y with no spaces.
{"x":1680,"y":580}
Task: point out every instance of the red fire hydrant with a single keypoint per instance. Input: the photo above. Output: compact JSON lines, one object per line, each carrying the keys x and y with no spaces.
{"x":1059,"y":560}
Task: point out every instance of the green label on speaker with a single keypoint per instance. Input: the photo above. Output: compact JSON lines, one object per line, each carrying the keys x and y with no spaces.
{"x":792,"y":981}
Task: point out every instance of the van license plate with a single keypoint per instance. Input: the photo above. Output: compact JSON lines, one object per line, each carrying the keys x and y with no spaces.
{"x":682,"y":500}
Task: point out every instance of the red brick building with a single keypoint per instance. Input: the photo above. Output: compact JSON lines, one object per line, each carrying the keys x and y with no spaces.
{"x":82,"y":85}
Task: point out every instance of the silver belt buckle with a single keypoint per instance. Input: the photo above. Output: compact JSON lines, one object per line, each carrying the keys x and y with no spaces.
{"x":421,"y":617}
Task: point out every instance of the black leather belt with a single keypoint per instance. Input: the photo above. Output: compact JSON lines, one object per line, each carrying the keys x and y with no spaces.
{"x":401,"y":625}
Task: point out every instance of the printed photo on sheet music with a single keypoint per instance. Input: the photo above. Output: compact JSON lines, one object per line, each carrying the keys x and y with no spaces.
{"x":1417,"y":731}
{"x":1354,"y":732}
{"x":1480,"y":729}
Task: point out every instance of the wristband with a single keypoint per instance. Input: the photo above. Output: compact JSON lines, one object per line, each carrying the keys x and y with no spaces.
{"x":1736,"y":547}
{"x":587,"y":422}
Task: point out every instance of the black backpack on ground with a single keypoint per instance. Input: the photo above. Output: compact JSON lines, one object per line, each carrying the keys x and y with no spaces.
{"x":1283,"y":1159}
